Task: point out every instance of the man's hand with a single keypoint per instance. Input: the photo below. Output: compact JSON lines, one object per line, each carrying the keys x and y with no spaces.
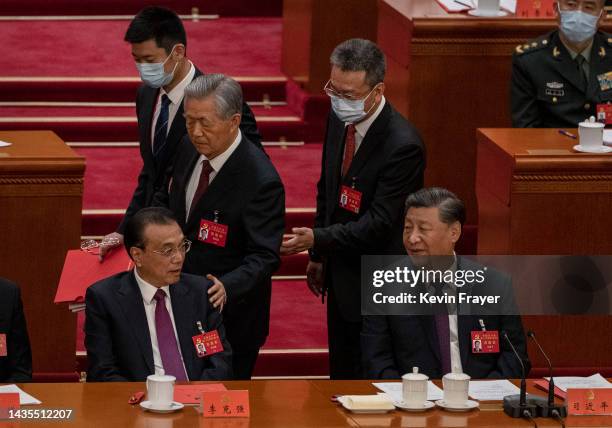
{"x":301,"y":241}
{"x":110,"y":241}
{"x":314,"y":277}
{"x":216,"y":293}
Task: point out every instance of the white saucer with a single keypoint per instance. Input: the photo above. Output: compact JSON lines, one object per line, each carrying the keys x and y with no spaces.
{"x":476,"y":12}
{"x":174,"y":406}
{"x":468,"y":405}
{"x":343,"y":401}
{"x":600,"y":149}
{"x":426,"y":405}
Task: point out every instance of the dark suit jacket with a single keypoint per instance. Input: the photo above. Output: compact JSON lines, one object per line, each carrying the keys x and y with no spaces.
{"x":117,"y":334}
{"x":392,"y":345}
{"x":153,"y":174}
{"x":545,"y":87}
{"x":387,"y":167}
{"x":17,"y":365}
{"x":250,"y":198}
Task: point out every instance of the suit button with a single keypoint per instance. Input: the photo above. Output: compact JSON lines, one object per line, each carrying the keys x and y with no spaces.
{"x":587,"y":106}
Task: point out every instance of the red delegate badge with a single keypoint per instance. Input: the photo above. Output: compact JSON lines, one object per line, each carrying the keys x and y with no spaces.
{"x":485,"y":342}
{"x":212,"y":233}
{"x":350,"y":199}
{"x":207,"y":344}
{"x":604,"y":113}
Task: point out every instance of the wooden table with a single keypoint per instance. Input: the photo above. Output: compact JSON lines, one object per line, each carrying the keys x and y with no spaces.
{"x":290,"y":403}
{"x":537,"y":196}
{"x":41,"y":191}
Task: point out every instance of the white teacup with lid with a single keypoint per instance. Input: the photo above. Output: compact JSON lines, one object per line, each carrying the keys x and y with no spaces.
{"x":414,"y":388}
{"x":160,"y":390}
{"x":456,"y":387}
{"x":591,"y":134}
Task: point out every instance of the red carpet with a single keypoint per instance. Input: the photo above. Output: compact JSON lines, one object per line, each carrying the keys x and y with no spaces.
{"x":235,"y":46}
{"x":111,"y":174}
{"x":130,"y":7}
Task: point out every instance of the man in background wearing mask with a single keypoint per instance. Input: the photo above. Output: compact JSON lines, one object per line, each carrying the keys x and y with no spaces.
{"x":372,"y":160}
{"x":159,"y":49}
{"x":559,"y":79}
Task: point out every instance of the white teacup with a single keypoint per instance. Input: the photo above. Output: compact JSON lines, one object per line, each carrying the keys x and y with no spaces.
{"x":414,"y":387}
{"x":488,"y":7}
{"x":160,"y":390}
{"x":456,"y":388}
{"x":591,"y":134}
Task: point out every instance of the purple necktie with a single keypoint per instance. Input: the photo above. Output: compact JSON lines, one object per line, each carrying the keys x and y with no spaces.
{"x":166,"y":340}
{"x":443,"y":329}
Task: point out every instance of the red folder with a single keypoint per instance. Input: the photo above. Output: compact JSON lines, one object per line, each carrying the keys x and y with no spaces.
{"x":543,"y":385}
{"x":82,"y":269}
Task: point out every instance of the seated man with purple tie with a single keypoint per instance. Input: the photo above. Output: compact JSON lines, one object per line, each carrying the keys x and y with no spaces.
{"x":150,"y":319}
{"x":443,"y":343}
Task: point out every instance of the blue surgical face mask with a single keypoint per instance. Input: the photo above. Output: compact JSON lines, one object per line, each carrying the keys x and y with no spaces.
{"x":350,"y":111}
{"x":153,"y":74}
{"x":577,"y":25}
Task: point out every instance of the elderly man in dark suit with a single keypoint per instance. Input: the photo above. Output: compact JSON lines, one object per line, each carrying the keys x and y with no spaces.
{"x":372,"y":159}
{"x":159,"y":48}
{"x":15,"y":352}
{"x":443,"y":343}
{"x":144,"y":321}
{"x":230,"y":202}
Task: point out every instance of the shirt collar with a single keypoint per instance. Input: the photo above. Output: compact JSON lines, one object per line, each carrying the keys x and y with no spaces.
{"x":218,"y":162}
{"x":148,"y":290}
{"x":176,"y":94}
{"x":586,"y":53}
{"x":362,"y":127}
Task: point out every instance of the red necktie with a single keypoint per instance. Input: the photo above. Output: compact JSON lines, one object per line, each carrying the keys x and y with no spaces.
{"x":202,"y":184}
{"x":349,"y":148}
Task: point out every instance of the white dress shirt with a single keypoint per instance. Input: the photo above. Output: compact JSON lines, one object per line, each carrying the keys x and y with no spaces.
{"x":453,"y":324}
{"x":216,"y":164}
{"x":148,"y":292}
{"x":176,"y":98}
{"x":361,"y":128}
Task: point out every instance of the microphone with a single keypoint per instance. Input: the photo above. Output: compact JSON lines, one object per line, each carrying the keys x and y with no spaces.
{"x":548,"y":409}
{"x":516,"y":406}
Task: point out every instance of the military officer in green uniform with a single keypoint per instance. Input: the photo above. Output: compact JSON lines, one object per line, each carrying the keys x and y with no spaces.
{"x":558,"y":79}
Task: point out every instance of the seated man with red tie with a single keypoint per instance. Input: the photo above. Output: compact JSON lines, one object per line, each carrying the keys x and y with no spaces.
{"x":448,"y":341}
{"x":152,"y":319}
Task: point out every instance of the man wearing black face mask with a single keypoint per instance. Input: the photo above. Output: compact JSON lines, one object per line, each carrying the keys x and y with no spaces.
{"x":559,"y":79}
{"x":372,"y":159}
{"x":159,"y":47}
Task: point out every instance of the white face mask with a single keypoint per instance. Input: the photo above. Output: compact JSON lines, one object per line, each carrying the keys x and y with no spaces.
{"x":577,"y":25}
{"x":350,"y":111}
{"x":153,"y":74}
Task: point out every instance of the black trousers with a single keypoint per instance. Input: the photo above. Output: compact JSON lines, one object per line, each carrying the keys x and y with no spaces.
{"x":344,"y":341}
{"x":243,"y":363}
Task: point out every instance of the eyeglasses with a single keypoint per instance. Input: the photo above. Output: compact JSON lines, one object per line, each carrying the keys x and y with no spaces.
{"x":170,"y":251}
{"x":331,"y":92}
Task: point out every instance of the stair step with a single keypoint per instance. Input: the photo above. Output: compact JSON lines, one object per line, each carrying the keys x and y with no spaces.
{"x":114,"y":89}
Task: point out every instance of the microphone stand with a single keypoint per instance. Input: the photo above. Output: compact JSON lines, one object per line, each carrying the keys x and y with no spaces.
{"x":517,"y":406}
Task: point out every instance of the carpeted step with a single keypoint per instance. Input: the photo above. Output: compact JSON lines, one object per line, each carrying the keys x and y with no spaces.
{"x":115,"y":89}
{"x":111,"y":175}
{"x":131,"y":7}
{"x":119,"y":123}
{"x":233,"y":46}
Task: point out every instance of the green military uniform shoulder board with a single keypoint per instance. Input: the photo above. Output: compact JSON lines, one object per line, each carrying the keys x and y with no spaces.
{"x":532,"y":46}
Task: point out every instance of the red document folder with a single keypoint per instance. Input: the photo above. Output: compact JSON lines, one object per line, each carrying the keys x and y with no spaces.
{"x":82,"y":269}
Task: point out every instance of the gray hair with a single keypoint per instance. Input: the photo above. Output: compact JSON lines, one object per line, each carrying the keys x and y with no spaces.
{"x":451,"y":208}
{"x":227,"y":92}
{"x":360,"y":55}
